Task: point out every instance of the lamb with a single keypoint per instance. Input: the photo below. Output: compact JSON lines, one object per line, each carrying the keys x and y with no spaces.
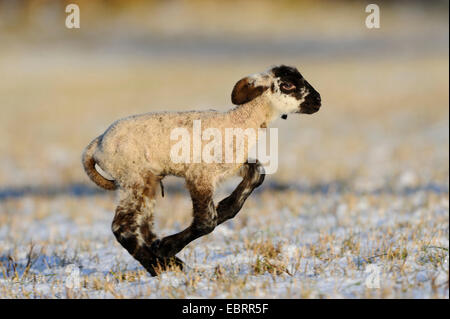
{"x":135,"y":154}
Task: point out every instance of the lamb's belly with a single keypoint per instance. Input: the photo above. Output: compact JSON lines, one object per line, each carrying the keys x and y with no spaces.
{"x":214,"y":172}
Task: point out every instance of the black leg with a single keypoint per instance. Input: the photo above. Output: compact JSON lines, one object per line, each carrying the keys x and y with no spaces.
{"x":132,"y":226}
{"x":253,"y":177}
{"x":206,"y":216}
{"x":204,"y":222}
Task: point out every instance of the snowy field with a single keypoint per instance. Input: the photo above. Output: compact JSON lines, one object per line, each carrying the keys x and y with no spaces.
{"x":359,"y":206}
{"x":285,"y":244}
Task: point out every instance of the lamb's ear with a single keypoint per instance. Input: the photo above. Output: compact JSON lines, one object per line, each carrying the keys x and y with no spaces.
{"x":244,"y":91}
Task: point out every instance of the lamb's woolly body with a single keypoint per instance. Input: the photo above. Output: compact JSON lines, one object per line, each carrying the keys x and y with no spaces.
{"x":134,"y":146}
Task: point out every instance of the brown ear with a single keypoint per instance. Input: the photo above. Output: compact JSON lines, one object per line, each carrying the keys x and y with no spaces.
{"x":244,"y":92}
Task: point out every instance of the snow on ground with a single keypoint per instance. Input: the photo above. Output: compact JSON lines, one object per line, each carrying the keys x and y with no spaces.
{"x":287,"y":244}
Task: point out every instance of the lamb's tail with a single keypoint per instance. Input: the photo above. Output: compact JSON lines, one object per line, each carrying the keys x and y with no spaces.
{"x":89,"y":166}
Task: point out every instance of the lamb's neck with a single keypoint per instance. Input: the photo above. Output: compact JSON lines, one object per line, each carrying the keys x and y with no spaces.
{"x":254,"y":114}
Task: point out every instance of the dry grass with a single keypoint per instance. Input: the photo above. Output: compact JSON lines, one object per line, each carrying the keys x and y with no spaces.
{"x":319,"y":250}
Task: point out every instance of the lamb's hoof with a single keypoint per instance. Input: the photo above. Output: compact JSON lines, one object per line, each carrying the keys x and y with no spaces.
{"x":256,"y":173}
{"x":176,"y":262}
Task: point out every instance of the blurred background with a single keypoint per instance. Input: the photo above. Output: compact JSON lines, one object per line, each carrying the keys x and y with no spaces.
{"x":363,"y":181}
{"x":384,"y":121}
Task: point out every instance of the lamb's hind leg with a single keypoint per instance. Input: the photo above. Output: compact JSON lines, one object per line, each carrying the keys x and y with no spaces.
{"x":133,"y":223}
{"x":253,"y":176}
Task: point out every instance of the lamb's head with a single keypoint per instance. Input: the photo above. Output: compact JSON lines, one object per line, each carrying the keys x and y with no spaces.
{"x":285,"y":89}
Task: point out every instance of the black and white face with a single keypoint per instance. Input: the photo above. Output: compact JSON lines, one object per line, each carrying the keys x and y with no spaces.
{"x":285,"y":88}
{"x":291,"y":93}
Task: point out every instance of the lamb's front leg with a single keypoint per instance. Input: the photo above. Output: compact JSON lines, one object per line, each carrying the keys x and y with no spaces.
{"x":206,"y":215}
{"x":253,"y":176}
{"x":204,"y":221}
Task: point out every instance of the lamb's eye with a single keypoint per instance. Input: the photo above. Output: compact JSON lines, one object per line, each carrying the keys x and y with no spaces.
{"x":287,"y":86}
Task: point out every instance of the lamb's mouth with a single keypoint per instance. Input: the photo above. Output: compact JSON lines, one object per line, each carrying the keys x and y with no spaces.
{"x":309,"y":110}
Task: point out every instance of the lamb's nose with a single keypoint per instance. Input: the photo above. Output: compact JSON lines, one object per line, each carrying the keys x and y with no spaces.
{"x":318,"y":100}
